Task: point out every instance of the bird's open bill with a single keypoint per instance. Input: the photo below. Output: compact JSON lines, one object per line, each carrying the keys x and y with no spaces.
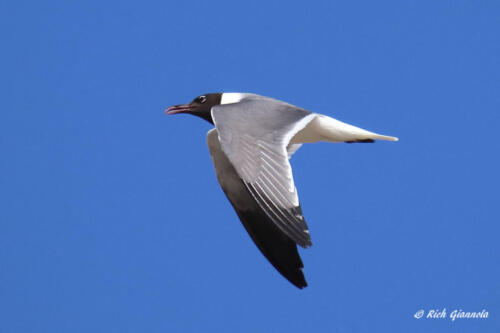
{"x":179,"y":108}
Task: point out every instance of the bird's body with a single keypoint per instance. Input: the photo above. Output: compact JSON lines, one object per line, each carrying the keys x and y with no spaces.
{"x":253,"y":139}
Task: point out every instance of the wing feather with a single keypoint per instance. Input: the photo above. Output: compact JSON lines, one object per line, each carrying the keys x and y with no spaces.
{"x":277,"y":247}
{"x":255,"y":134}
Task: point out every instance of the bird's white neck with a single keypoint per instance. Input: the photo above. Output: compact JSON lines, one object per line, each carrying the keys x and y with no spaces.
{"x":229,"y":98}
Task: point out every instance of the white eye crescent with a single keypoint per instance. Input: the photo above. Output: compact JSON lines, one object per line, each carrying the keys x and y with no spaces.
{"x":202,"y":99}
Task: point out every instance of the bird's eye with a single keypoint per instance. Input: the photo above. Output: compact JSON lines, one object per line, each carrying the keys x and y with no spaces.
{"x":202,"y":99}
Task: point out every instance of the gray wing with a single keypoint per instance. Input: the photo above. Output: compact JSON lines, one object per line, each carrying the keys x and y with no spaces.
{"x":254,"y":134}
{"x":280,"y":250}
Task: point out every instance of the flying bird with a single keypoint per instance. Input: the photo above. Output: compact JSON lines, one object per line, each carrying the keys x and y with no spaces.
{"x":251,"y":144}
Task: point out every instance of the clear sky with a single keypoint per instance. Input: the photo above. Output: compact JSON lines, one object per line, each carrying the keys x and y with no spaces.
{"x":111,"y":219}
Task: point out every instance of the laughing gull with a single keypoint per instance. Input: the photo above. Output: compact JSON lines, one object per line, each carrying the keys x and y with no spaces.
{"x":251,"y":144}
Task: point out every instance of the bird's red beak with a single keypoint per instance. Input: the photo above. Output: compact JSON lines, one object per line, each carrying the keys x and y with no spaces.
{"x":179,"y":108}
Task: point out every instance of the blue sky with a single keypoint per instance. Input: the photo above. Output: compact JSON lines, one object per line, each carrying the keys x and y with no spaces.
{"x":111,"y":219}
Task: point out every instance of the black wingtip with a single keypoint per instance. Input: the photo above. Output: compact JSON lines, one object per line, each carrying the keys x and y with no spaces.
{"x":293,"y":273}
{"x":280,"y":250}
{"x":300,"y":282}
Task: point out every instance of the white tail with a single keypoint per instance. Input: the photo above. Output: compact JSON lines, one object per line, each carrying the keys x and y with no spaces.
{"x":324,"y":128}
{"x":384,"y":137}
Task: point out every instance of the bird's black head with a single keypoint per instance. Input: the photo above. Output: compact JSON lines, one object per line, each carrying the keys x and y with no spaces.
{"x":200,"y":106}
